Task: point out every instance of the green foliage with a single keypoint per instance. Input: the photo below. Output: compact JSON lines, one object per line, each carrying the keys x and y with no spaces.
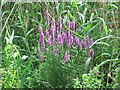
{"x":94,"y":79}
{"x":20,"y":65}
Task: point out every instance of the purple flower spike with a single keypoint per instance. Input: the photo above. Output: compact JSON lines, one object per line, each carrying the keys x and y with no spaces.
{"x":91,"y":53}
{"x":63,"y":36}
{"x":47,"y":33}
{"x":67,"y":31}
{"x":53,"y":22}
{"x":76,"y":41}
{"x":66,"y":57}
{"x":55,"y":51}
{"x":86,"y":37}
{"x":52,"y":34}
{"x":60,"y":39}
{"x":90,"y":42}
{"x":80,"y":46}
{"x":84,"y":44}
{"x":47,"y":18}
{"x":69,"y":41}
{"x":41,"y":58}
{"x":59,"y":24}
{"x":53,"y":25}
{"x":73,"y":26}
{"x":41,"y":37}
{"x":49,"y":41}
{"x":39,"y":50}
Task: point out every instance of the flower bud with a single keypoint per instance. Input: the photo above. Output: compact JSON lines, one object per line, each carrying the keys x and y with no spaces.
{"x":73,"y":26}
{"x":76,"y":41}
{"x":59,"y":24}
{"x":91,"y":53}
{"x":67,"y":31}
{"x":39,"y":50}
{"x":47,"y":18}
{"x":60,"y":39}
{"x":41,"y":37}
{"x":66,"y":57}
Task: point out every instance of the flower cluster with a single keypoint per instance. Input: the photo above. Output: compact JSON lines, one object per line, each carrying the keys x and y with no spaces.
{"x":55,"y":35}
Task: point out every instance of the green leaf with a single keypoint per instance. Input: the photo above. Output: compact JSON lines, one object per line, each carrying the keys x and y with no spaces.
{"x":107,"y":54}
{"x":7,"y":40}
{"x":24,"y":57}
{"x":88,"y":27}
{"x":87,"y":64}
{"x":71,"y":15}
{"x":95,"y":26}
{"x":91,"y":17}
{"x":74,"y":32}
{"x":114,"y":6}
{"x":24,"y":73}
{"x":102,"y":43}
{"x":83,"y":17}
{"x":110,"y":36}
{"x":104,"y":62}
{"x":29,"y":32}
{"x":74,"y":4}
{"x":15,"y":54}
{"x":11,"y":37}
{"x":104,"y":25}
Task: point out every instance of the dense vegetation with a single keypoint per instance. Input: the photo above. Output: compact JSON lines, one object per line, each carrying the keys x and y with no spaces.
{"x":60,"y":45}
